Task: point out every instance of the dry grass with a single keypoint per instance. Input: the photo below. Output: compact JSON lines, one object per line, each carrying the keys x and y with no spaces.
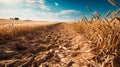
{"x":104,"y":38}
{"x":9,"y":29}
{"x":113,"y":2}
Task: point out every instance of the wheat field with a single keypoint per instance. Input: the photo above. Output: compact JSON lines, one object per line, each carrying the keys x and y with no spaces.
{"x":9,"y":29}
{"x":104,"y":37}
{"x":93,"y":42}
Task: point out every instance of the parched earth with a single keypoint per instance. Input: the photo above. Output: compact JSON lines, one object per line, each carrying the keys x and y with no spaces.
{"x":56,"y":45}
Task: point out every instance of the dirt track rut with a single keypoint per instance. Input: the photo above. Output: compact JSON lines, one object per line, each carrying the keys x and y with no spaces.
{"x":56,"y":45}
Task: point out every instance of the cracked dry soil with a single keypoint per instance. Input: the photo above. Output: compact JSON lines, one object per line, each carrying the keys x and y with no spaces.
{"x":56,"y":45}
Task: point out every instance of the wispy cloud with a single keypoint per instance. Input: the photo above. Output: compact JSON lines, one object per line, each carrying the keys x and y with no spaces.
{"x":37,"y":4}
{"x":64,"y":15}
{"x":69,"y":12}
{"x":26,"y":3}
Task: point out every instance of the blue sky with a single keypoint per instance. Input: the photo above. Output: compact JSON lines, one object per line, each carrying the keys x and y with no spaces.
{"x":53,"y":10}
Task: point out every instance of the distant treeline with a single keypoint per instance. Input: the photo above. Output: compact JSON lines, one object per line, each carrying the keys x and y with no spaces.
{"x":16,"y":18}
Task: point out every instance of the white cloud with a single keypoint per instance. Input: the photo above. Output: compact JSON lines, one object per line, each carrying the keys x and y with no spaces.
{"x":29,"y":14}
{"x":56,"y":4}
{"x":42,"y":1}
{"x":5,"y":1}
{"x":37,"y":4}
{"x":69,"y":12}
{"x":44,"y":7}
{"x":28,"y":3}
{"x":10,"y":1}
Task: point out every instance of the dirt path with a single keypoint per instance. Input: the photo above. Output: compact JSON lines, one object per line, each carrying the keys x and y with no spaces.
{"x":57,"y":45}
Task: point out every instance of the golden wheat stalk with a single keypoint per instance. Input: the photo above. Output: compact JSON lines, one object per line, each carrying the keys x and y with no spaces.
{"x":108,"y":13}
{"x":93,"y":16}
{"x":116,"y":13}
{"x":107,"y":21}
{"x":88,"y":8}
{"x":84,"y":17}
{"x":97,"y":14}
{"x":113,"y":2}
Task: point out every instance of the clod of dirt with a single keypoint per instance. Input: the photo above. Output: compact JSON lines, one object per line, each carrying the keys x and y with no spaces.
{"x":75,"y":65}
{"x":60,"y":55}
{"x":73,"y":54}
{"x":70,"y":63}
{"x":76,"y":47}
{"x":66,"y":60}
{"x":40,"y":59}
{"x":44,"y":65}
{"x":56,"y":51}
